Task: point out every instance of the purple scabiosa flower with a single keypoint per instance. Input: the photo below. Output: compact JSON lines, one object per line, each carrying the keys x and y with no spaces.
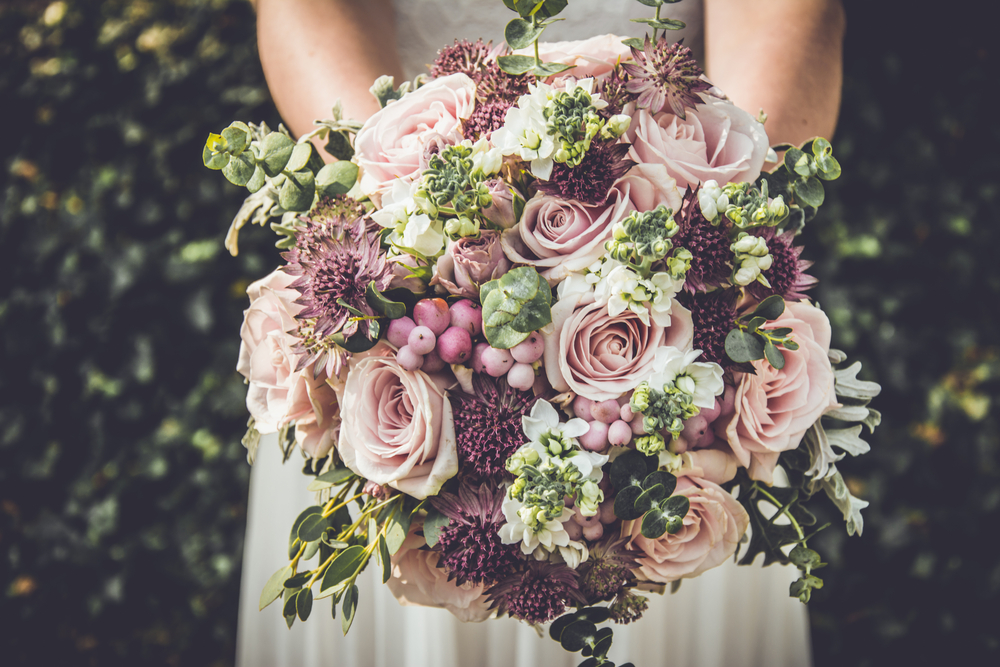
{"x":590,"y":181}
{"x":496,"y":92}
{"x":470,"y":545}
{"x":787,"y":273}
{"x":487,"y":117}
{"x":711,"y":262}
{"x":488,"y":424}
{"x":334,"y":259}
{"x":712,"y":315}
{"x":665,"y":74}
{"x":536,"y":594}
{"x":607,"y":570}
{"x":462,"y":56}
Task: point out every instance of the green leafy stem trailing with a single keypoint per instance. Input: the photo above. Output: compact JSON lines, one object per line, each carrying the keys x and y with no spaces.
{"x":798,"y":178}
{"x":345,"y":547}
{"x":657,"y":23}
{"x":749,"y":342}
{"x":523,"y":32}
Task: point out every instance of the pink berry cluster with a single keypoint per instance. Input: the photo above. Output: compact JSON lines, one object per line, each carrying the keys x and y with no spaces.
{"x":515,"y":363}
{"x":436,"y":335}
{"x":592,"y":527}
{"x":612,"y":422}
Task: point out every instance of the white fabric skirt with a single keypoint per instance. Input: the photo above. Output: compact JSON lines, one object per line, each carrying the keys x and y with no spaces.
{"x":730,"y":616}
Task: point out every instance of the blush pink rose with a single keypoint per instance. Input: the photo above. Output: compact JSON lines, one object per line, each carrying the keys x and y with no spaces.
{"x":276,"y":395}
{"x":601,"y":357}
{"x":417,"y":580}
{"x":317,"y":433}
{"x":558,"y":236}
{"x":592,"y":57}
{"x":397,"y":426}
{"x":391,"y":143}
{"x":711,"y":533}
{"x":718,"y":141}
{"x":773,"y":409}
{"x":469,"y":262}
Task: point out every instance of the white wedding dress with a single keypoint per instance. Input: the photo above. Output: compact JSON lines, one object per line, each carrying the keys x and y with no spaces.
{"x":731,"y":616}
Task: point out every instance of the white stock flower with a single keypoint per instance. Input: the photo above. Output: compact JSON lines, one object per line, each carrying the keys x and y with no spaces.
{"x":525,"y":131}
{"x":546,"y":536}
{"x":486,"y":159}
{"x":574,"y":553}
{"x":411,"y":228}
{"x":711,"y":200}
{"x":623,"y":289}
{"x":544,"y":419}
{"x":701,"y":380}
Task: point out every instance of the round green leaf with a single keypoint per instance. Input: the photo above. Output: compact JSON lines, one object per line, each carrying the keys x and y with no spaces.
{"x":654,"y":524}
{"x":773,"y":355}
{"x":337,"y":178}
{"x":296,"y":581}
{"x":521,"y":34}
{"x":299,"y":157}
{"x":212,"y":159}
{"x":649,"y":497}
{"x":433,"y":525}
{"x":593,"y":614}
{"x":628,"y":469}
{"x":312,"y":527}
{"x":237,"y":138}
{"x":810,"y":192}
{"x":625,"y":503}
{"x":238,"y":171}
{"x":256,"y":181}
{"x":391,"y":309}
{"x":297,"y":192}
{"x":770,"y":308}
{"x":663,"y":478}
{"x":743,"y":347}
{"x":276,"y":149}
{"x":516,"y":64}
{"x":560,"y":624}
{"x":578,"y":634}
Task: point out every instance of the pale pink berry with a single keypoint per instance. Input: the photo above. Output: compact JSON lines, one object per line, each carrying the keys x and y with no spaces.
{"x":694,"y":428}
{"x":594,"y":531}
{"x":626,"y":413}
{"x":399,"y":331}
{"x":497,"y":362}
{"x":421,"y":339}
{"x":596,"y":439}
{"x":408,"y":359}
{"x":529,"y":350}
{"x":467,"y":315}
{"x":573,"y":529}
{"x":606,"y":411}
{"x":582,"y":408}
{"x":712,"y":413}
{"x":637,"y":426}
{"x":585,"y":521}
{"x":608,"y":511}
{"x":620,"y":433}
{"x":477,"y":357}
{"x":433,"y":314}
{"x":521,"y":376}
{"x":433,"y":362}
{"x":454,"y":345}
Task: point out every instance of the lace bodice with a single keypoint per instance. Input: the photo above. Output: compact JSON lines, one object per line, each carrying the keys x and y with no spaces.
{"x":424,"y":26}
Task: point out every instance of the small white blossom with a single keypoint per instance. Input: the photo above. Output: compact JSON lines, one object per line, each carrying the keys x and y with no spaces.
{"x":546,"y":536}
{"x":525,"y":131}
{"x":701,"y":380}
{"x":711,"y":200}
{"x":623,"y":289}
{"x":411,"y":228}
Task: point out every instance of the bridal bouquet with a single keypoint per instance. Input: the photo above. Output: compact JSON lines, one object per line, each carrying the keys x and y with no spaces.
{"x":542,"y":332}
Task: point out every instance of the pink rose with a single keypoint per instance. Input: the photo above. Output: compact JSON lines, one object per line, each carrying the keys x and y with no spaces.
{"x":601,"y":357}
{"x":397,"y":426}
{"x":773,"y":409}
{"x":417,"y":580}
{"x":592,"y":57}
{"x":501,"y":211}
{"x":711,"y":533}
{"x":277,"y":395}
{"x":469,"y":262}
{"x":718,"y":141}
{"x":558,"y":236}
{"x":317,"y":433}
{"x":402,"y":274}
{"x":391,"y":143}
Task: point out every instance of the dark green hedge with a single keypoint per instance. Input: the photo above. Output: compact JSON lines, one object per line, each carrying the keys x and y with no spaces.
{"x":122,"y":480}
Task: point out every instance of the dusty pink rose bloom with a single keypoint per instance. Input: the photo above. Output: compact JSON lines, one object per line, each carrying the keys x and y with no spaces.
{"x":397,"y":426}
{"x":417,"y":580}
{"x":711,"y":533}
{"x":592,"y":57}
{"x":391,"y":143}
{"x":501,"y":211}
{"x":402,"y":270}
{"x":718,"y":141}
{"x":773,"y":409}
{"x":558,"y":236}
{"x":317,"y":432}
{"x":277,"y":395}
{"x":601,"y":357}
{"x":469,"y":262}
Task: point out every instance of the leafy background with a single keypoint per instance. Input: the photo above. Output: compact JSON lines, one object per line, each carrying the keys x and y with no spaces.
{"x":122,"y":480}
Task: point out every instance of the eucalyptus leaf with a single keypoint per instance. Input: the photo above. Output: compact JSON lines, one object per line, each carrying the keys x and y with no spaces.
{"x":434,"y":523}
{"x":516,"y":64}
{"x":649,"y":497}
{"x":792,"y":157}
{"x":289,"y":607}
{"x":829,"y":168}
{"x":665,"y":479}
{"x":312,"y":527}
{"x":743,"y":347}
{"x":274,"y":586}
{"x":770,"y":308}
{"x":560,"y":624}
{"x":548,"y":69}
{"x":212,"y":159}
{"x":604,"y":638}
{"x":237,"y":137}
{"x":625,"y":503}
{"x":774,"y":355}
{"x":675,"y":508}
{"x":662,"y":24}
{"x":654,"y":524}
{"x":805,"y":558}
{"x":303,"y":603}
{"x":337,"y":178}
{"x":385,"y":557}
{"x":396,"y":530}
{"x":276,"y":149}
{"x":593,"y":614}
{"x":238,"y":171}
{"x":578,"y":634}
{"x":755,"y":323}
{"x":257,"y":180}
{"x":357,"y":343}
{"x":383,"y":306}
{"x":294,"y":535}
{"x":336,"y":475}
{"x":634,"y":42}
{"x":521,"y":34}
{"x":810,"y":192}
{"x":311,"y":550}
{"x":651,"y":3}
{"x":343,"y":567}
{"x":350,"y":607}
{"x":296,"y":194}
{"x":628,"y":469}
{"x":299,"y":157}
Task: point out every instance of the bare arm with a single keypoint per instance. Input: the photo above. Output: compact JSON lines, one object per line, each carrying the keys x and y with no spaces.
{"x":315,"y":52}
{"x":784,"y":56}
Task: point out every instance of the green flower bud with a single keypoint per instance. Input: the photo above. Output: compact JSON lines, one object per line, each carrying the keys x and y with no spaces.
{"x":650,"y":444}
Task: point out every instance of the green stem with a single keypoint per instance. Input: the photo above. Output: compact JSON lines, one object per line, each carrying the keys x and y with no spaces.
{"x":783,"y":510}
{"x":657,"y":17}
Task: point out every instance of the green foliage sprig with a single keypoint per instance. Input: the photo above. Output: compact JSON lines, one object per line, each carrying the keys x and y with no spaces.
{"x":644,"y":491}
{"x":514,"y":306}
{"x":578,"y":632}
{"x":657,"y":23}
{"x":799,"y":178}
{"x":749,"y":342}
{"x":533,"y":17}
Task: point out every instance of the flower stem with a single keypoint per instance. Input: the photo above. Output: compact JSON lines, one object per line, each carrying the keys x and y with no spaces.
{"x":783,"y":510}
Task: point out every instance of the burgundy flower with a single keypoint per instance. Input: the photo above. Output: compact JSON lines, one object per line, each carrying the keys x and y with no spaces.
{"x":787,"y":273}
{"x":488,"y":424}
{"x":613,"y":91}
{"x":607,"y":570}
{"x":713,"y":316}
{"x":537,"y":594}
{"x":665,"y":74}
{"x":462,"y":56}
{"x":711,"y":264}
{"x":591,"y":180}
{"x":470,"y":544}
{"x":487,"y":117}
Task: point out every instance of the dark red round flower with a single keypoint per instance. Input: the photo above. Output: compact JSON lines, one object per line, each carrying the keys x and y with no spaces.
{"x":488,"y":424}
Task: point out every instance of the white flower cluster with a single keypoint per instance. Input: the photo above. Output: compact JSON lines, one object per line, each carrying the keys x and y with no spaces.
{"x":621,"y":288}
{"x":413,"y":230}
{"x":752,"y":257}
{"x":712,"y":200}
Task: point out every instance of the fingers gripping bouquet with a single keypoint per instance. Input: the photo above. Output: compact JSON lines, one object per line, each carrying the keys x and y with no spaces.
{"x":543,"y":334}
